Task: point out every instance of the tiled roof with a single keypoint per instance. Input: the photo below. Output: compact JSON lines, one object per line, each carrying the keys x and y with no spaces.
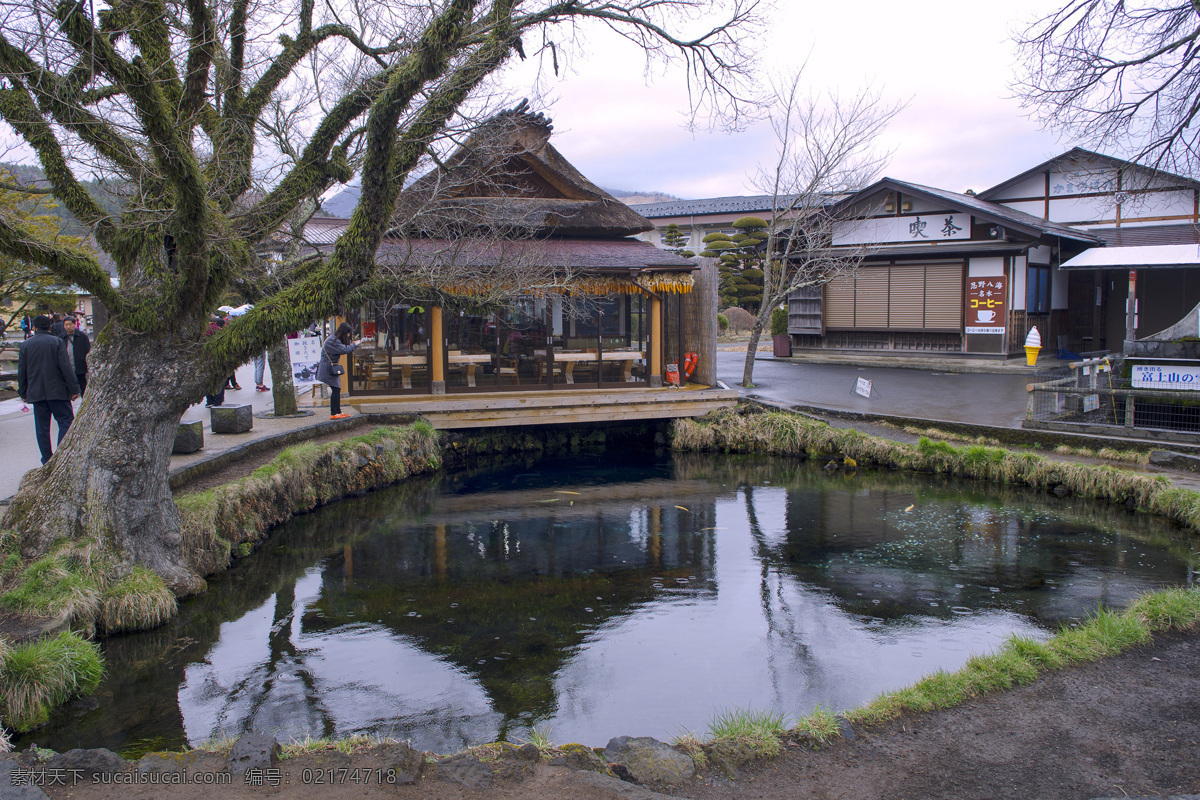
{"x":711,"y":205}
{"x":578,"y":253}
{"x":1138,"y":235}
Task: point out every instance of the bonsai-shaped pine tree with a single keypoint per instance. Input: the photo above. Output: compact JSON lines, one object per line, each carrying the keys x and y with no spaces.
{"x":738,"y":262}
{"x":676,"y":242}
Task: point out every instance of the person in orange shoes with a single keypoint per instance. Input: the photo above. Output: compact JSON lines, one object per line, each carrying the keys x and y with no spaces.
{"x":330,"y":369}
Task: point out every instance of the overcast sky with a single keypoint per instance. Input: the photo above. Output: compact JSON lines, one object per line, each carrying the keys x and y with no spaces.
{"x":953,"y":62}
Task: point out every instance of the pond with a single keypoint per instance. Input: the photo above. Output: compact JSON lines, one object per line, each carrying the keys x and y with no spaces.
{"x":612,"y":594}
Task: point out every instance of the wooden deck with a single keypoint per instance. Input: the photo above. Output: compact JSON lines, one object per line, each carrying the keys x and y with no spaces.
{"x":497,"y":409}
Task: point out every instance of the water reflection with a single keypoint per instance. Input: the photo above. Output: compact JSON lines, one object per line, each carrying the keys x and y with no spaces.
{"x":598,"y":598}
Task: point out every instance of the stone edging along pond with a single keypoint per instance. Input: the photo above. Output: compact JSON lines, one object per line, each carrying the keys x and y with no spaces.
{"x":228,"y":521}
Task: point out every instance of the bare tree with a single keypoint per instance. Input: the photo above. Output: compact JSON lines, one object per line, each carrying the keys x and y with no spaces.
{"x":1119,"y":75}
{"x":166,"y":97}
{"x":826,"y":149}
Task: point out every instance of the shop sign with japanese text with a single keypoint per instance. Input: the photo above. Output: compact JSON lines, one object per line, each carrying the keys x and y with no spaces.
{"x":987,"y":305}
{"x":1147,"y":376}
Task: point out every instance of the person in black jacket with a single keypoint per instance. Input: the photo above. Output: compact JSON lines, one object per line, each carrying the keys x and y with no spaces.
{"x":78,"y":347}
{"x":46,"y":380}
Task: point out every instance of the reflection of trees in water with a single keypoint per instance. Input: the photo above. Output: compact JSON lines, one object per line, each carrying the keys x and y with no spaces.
{"x":783,"y":626}
{"x":961,"y":541}
{"x":525,"y":565}
{"x":509,"y":600}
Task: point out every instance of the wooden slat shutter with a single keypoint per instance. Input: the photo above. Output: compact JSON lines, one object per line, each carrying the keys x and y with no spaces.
{"x":839,"y":302}
{"x":943,"y":296}
{"x":906,"y":302}
{"x":871,"y":297}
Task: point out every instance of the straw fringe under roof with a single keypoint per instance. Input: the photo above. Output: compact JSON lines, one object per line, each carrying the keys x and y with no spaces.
{"x":657,"y":282}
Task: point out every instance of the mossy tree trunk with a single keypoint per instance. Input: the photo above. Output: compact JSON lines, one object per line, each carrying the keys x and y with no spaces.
{"x":283,"y":388}
{"x":108,"y":480}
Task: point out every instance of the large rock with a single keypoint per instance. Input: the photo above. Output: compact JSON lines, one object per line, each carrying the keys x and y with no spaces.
{"x":467,"y":771}
{"x":85,"y":764}
{"x":403,"y":761}
{"x":20,"y":786}
{"x":232,"y":419}
{"x":648,"y":760}
{"x":253,"y":751}
{"x":580,"y":757}
{"x":189,"y":437}
{"x":1173,"y":460}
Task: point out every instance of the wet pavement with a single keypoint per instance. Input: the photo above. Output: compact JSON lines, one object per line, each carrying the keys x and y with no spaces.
{"x":997,"y":400}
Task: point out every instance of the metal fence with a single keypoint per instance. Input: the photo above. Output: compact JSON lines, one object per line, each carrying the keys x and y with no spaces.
{"x":1095,"y":398}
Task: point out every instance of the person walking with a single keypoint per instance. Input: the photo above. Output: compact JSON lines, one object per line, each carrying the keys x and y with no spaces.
{"x":260,"y":368}
{"x":78,"y":347}
{"x":46,"y":380}
{"x":329,"y":368}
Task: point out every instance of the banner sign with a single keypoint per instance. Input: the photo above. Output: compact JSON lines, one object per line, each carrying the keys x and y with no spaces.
{"x":1146,"y":376}
{"x":304,"y":354}
{"x":987,"y":305}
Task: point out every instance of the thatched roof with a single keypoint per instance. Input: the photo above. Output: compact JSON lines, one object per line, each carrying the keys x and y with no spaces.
{"x":508,"y":177}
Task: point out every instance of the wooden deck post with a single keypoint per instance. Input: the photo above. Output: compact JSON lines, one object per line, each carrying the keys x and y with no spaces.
{"x":656,"y":342}
{"x":437,"y":352}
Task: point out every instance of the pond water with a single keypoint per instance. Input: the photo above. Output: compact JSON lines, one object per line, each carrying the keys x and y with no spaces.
{"x":590,"y":598}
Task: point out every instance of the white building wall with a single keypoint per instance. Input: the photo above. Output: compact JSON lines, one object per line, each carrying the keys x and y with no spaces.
{"x":1018,"y":287}
{"x":1036,"y":208}
{"x":1016,"y":300}
{"x":1033,"y":186}
{"x":1058,"y":289}
{"x":1038,"y":255}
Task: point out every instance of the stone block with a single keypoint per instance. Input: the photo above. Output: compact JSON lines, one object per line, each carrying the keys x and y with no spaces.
{"x":253,"y":751}
{"x":648,"y":760}
{"x":232,"y":419}
{"x":189,"y":437}
{"x":87,"y":763}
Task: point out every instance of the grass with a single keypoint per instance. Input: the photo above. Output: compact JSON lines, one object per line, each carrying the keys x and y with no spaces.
{"x":820,"y":727}
{"x":1021,"y":660}
{"x":312,"y":744}
{"x":539,"y":737}
{"x":761,"y":731}
{"x":746,"y":430}
{"x":38,"y":676}
{"x":139,"y":600}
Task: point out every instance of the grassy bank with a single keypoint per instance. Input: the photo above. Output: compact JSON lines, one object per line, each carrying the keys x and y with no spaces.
{"x":744,"y":430}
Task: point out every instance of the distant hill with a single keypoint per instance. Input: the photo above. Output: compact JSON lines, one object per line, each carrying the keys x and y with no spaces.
{"x":28,"y":175}
{"x":630,"y":198}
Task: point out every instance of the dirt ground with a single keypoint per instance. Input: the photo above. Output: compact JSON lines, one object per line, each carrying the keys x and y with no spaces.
{"x":1127,"y":726}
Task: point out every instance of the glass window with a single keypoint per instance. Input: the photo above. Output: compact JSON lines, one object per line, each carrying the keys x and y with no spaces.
{"x":1037,"y":290}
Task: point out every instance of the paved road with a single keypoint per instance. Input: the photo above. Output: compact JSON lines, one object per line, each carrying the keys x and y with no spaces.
{"x":997,"y":400}
{"x":19,"y":446}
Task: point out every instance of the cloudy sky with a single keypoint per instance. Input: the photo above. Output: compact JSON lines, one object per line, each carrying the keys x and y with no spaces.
{"x":952,"y":62}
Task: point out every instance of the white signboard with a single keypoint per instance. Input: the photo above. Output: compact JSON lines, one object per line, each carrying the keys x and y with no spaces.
{"x":1146,"y":376}
{"x":304,"y":354}
{"x":914,"y":228}
{"x":863,"y":387}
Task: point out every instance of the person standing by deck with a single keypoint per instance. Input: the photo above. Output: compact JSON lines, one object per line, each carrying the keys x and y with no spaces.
{"x":46,"y":380}
{"x":329,"y":368}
